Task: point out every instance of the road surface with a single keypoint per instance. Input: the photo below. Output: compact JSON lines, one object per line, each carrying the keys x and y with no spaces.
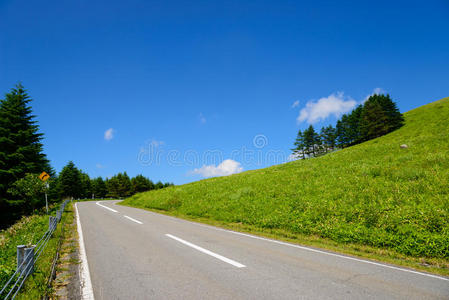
{"x":137,"y":254}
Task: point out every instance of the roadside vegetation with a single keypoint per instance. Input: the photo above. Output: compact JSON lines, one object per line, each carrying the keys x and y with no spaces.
{"x":28,"y":231}
{"x":375,"y":199}
{"x":22,"y":160}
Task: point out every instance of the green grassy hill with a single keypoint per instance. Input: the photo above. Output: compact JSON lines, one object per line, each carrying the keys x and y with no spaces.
{"x":375,"y":197}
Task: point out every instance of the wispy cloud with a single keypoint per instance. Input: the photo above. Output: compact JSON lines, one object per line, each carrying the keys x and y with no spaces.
{"x":202,"y":118}
{"x":335,"y":104}
{"x":376,"y":91}
{"x":295,"y":104}
{"x":100,"y":166}
{"x":109,"y":134}
{"x":227,"y":167}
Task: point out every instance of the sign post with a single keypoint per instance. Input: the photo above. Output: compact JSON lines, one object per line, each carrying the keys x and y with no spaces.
{"x":44,"y":177}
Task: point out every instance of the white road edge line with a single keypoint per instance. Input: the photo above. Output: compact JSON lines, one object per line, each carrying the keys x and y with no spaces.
{"x":222,"y":258}
{"x":134,"y":220}
{"x":324,"y":252}
{"x":113,"y":210}
{"x":87,"y":292}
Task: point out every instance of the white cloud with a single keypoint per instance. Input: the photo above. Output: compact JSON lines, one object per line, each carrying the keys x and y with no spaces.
{"x":202,"y":119}
{"x":335,"y":104}
{"x":227,"y":167}
{"x":109,"y":134}
{"x":295,"y":104}
{"x":376,"y":91}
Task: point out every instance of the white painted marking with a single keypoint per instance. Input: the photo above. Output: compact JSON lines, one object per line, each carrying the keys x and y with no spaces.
{"x":222,"y":258}
{"x":113,"y":210}
{"x":87,"y":292}
{"x":134,"y":220}
{"x":323,"y":252}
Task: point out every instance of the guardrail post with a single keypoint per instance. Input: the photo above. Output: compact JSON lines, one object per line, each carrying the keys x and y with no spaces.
{"x":50,"y":222}
{"x":29,"y":261}
{"x":20,"y":256}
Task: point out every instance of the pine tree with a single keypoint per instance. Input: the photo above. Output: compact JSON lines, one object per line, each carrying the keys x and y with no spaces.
{"x":298,"y":150}
{"x":329,"y":135}
{"x":141,"y":184}
{"x":394,"y":118}
{"x":343,"y":132}
{"x":21,"y":150}
{"x":99,"y":188}
{"x":374,"y":121}
{"x":310,"y":139}
{"x":70,"y":182}
{"x":353,"y":133}
{"x":86,"y":186}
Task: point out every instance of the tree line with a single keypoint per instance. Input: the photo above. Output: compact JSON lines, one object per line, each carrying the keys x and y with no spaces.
{"x":22,"y":159}
{"x":376,"y":117}
{"x":73,"y":182}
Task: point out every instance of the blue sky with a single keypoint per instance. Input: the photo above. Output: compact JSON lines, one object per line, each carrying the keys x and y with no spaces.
{"x":206,"y":88}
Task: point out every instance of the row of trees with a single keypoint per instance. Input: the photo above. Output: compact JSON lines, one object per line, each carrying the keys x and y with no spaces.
{"x":72,"y":182}
{"x":378,"y":116}
{"x":22,"y":159}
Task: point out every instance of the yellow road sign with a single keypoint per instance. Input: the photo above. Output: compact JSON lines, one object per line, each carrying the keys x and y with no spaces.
{"x":44,"y":176}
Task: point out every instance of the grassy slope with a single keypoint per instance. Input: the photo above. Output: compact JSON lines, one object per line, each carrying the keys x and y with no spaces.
{"x":379,"y":199}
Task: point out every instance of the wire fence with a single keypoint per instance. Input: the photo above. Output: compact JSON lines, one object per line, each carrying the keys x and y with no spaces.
{"x":27,"y":257}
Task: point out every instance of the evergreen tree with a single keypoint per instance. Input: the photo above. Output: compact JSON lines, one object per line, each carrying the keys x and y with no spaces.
{"x":86,"y":186}
{"x":374,"y":121}
{"x":21,"y":150}
{"x":119,"y":186}
{"x":158,"y":185}
{"x":394,"y":119}
{"x":329,"y":135}
{"x":141,"y":184}
{"x":343,"y":132}
{"x":70,"y":181}
{"x":99,"y":188}
{"x":298,"y":150}
{"x":353,"y":129}
{"x":113,"y":187}
{"x":310,"y":139}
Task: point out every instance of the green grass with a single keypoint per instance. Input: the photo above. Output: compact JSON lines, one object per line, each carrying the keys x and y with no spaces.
{"x":374,"y":199}
{"x":28,"y":231}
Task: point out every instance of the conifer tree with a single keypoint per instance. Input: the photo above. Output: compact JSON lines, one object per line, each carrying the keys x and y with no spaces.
{"x":141,"y":184}
{"x":21,"y":150}
{"x":298,"y":150}
{"x":99,"y":188}
{"x":374,"y":121}
{"x":69,"y":181}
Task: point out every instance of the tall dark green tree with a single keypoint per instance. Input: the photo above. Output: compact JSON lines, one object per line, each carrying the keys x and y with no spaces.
{"x":353,"y":133}
{"x":329,"y":136}
{"x":141,"y":184}
{"x":70,"y":182}
{"x":392,"y":117}
{"x":343,"y":132}
{"x":21,"y":150}
{"x":119,"y":185}
{"x":298,"y":146}
{"x":86,"y":186}
{"x":311,"y":141}
{"x":374,"y":121}
{"x":99,"y":188}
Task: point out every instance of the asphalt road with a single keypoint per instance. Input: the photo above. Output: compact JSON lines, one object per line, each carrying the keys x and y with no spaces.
{"x":136,"y":254}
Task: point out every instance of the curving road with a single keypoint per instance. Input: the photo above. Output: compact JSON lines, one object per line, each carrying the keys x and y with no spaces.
{"x":137,"y":254}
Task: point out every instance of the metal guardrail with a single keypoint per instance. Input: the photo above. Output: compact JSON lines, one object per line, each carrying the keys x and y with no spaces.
{"x":27,"y":257}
